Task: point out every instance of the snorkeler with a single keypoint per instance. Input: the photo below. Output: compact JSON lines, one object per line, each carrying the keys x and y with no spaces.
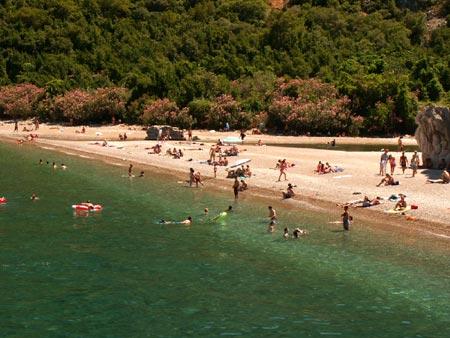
{"x":34,"y":197}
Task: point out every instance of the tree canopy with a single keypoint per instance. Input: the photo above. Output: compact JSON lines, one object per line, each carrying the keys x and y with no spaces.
{"x":381,"y":57}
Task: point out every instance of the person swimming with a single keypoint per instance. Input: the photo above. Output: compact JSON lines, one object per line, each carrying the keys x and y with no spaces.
{"x":286,"y":233}
{"x":299,"y":232}
{"x":271,"y":227}
{"x":187,"y":221}
{"x":63,"y":166}
{"x":54,"y":165}
{"x":41,"y":162}
{"x":141,"y":174}
{"x":34,"y":197}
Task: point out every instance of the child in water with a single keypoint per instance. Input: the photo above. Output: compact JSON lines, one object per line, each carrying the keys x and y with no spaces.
{"x":271,"y":227}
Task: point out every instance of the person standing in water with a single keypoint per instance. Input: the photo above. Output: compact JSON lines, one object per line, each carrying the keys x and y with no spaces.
{"x":272,"y":213}
{"x":346,"y":218}
{"x":191,"y":176}
{"x":130,"y":170}
{"x":34,"y":197}
{"x":236,"y":188}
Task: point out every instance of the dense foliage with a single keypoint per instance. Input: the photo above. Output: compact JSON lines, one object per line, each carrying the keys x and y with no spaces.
{"x":223,"y":60}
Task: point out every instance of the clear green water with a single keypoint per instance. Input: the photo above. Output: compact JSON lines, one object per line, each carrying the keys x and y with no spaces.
{"x":119,"y":273}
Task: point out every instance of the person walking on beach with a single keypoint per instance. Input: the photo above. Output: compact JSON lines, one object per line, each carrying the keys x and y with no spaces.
{"x":383,"y":162}
{"x":392,"y":164}
{"x":198,"y":179}
{"x":236,"y":188}
{"x":414,"y":163}
{"x":400,"y":143}
{"x":16,"y":126}
{"x":283,"y":168}
{"x":403,"y":162}
{"x":346,"y":218}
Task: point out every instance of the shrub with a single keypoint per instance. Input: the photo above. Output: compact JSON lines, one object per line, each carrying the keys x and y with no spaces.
{"x":19,"y":101}
{"x":164,"y":111}
{"x":309,"y":106}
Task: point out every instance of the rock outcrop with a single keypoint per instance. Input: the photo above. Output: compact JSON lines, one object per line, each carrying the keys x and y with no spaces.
{"x":159,"y":132}
{"x":433,"y":135}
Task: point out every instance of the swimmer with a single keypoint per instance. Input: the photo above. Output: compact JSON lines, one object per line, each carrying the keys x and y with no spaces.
{"x":299,"y":232}
{"x":54,"y":165}
{"x":286,"y":233}
{"x":34,"y":197}
{"x":230,"y":209}
{"x":187,"y":221}
{"x":41,"y":162}
{"x":141,"y":174}
{"x":206,"y":211}
{"x":271,"y":227}
{"x":63,"y":166}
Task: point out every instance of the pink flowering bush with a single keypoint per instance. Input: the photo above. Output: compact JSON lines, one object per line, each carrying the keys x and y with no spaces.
{"x":79,"y":105}
{"x":164,"y":111}
{"x":226,"y":109}
{"x":19,"y":101}
{"x":301,"y":106}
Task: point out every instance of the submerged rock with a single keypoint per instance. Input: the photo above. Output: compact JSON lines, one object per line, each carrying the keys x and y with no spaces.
{"x":433,"y":135}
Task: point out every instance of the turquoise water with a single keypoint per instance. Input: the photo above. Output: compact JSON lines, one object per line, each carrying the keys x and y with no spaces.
{"x":120,"y":273}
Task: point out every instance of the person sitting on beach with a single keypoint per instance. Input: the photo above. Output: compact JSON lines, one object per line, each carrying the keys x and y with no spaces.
{"x":239,"y":172}
{"x":401,"y":204}
{"x":125,"y":137}
{"x":104,"y":144}
{"x":320,"y":168}
{"x":388,"y":180}
{"x":327,"y":168}
{"x":243,"y":186}
{"x":260,"y":143}
{"x":289,"y":192}
{"x":156,"y":149}
{"x":231,"y":173}
{"x":120,"y":137}
{"x":219,"y":142}
{"x":442,"y":164}
{"x":247,"y":171}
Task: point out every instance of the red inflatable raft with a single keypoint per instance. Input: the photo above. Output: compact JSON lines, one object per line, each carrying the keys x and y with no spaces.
{"x":3,"y":200}
{"x":84,"y":207}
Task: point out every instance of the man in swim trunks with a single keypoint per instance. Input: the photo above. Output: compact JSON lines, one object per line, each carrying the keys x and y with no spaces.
{"x":236,"y":188}
{"x":387,"y":180}
{"x":272,"y":213}
{"x":403,"y":162}
{"x":130,"y":170}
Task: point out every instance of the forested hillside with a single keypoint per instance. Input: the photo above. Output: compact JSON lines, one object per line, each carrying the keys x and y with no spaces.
{"x":364,"y":64}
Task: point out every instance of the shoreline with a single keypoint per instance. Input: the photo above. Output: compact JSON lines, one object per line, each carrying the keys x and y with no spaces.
{"x":314,"y":203}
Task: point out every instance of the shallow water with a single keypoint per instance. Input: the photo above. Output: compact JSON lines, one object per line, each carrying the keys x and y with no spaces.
{"x":120,"y":273}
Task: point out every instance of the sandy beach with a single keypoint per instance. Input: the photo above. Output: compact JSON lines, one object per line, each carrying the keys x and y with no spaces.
{"x":358,"y":178}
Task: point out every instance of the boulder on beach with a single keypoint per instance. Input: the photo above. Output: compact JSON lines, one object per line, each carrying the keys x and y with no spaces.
{"x":156,"y":132}
{"x":433,"y":135}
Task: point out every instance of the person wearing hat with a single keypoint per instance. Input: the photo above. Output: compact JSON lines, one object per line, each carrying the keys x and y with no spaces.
{"x":289,"y":192}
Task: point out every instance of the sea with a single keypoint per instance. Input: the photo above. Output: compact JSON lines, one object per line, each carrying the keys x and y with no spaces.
{"x":120,"y":273}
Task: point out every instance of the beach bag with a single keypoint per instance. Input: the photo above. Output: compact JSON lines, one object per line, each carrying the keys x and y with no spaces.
{"x":414,"y":206}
